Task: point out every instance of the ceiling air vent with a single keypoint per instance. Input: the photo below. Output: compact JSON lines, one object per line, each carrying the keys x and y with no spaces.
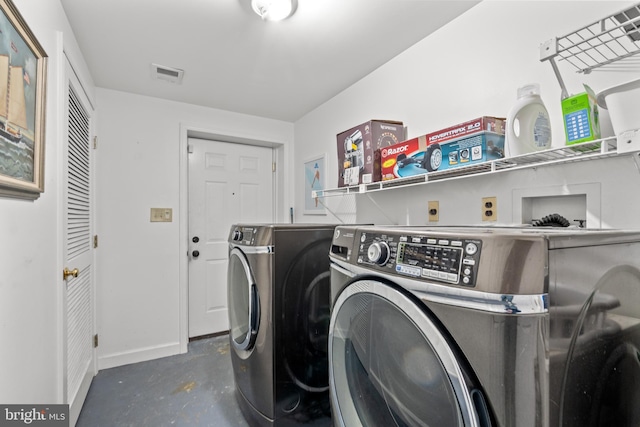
{"x":169,"y":74}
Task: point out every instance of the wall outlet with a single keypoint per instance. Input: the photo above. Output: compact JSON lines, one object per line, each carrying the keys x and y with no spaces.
{"x":434,"y":210}
{"x":489,"y":208}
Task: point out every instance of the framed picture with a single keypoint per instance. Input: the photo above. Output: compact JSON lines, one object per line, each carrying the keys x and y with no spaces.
{"x":23,"y":69}
{"x":314,"y":174}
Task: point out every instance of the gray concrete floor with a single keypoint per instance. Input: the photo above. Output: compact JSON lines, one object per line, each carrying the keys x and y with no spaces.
{"x":192,"y":389}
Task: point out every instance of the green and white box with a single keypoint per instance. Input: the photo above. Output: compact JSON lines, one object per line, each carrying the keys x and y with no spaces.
{"x":580,"y":113}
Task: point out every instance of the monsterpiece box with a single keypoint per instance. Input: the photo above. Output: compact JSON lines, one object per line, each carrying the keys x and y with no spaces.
{"x":467,"y":143}
{"x":359,"y":150}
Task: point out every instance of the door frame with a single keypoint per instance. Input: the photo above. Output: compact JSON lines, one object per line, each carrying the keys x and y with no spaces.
{"x":281,"y":190}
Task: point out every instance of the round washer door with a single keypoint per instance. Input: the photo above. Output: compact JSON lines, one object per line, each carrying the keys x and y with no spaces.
{"x":244,"y":305}
{"x":390,"y":365}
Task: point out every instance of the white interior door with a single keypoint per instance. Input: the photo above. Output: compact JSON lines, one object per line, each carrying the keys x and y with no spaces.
{"x":228,"y":183}
{"x":79,"y":322}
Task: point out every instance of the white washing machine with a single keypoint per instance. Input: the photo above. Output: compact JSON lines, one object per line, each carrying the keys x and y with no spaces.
{"x":508,"y":327}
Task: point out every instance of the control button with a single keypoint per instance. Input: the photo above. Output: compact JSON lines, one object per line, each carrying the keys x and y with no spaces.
{"x":415,"y":239}
{"x":466,"y":280}
{"x":410,"y":270}
{"x":363,"y":237}
{"x":443,"y":275}
{"x":443,"y":242}
{"x":378,"y":253}
{"x":432,"y":241}
{"x":456,"y":243}
{"x":452,"y":277}
{"x":469,"y":261}
{"x":467,"y":271}
{"x":237,"y":235}
{"x":471,"y":248}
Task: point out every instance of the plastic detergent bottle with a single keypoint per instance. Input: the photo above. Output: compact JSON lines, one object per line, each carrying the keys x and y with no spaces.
{"x":528,"y":125}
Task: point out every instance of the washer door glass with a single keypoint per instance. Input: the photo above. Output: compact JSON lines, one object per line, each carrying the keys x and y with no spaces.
{"x":244,"y":307}
{"x":389,"y":363}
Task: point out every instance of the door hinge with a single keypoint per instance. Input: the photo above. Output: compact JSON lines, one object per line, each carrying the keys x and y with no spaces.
{"x":95,"y":341}
{"x":273,"y":167}
{"x":95,"y":142}
{"x":95,"y":241}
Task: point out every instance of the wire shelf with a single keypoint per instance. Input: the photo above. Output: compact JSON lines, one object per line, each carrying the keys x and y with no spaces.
{"x":573,"y":153}
{"x":602,"y":43}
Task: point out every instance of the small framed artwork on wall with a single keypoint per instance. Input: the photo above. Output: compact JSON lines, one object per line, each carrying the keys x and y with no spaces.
{"x":314,"y":179}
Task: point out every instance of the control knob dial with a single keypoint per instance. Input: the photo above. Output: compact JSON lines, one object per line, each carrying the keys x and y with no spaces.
{"x":378,"y":253}
{"x":471,"y":248}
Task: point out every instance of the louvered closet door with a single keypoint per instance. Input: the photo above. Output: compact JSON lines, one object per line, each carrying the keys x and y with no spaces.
{"x":80,"y":354}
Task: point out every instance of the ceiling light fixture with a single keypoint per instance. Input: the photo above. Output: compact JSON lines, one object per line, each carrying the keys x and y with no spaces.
{"x":273,"y":10}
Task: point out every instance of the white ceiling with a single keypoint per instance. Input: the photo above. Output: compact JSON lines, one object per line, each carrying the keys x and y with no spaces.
{"x":232,"y":60}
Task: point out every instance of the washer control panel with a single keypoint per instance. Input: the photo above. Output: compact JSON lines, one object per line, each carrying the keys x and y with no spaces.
{"x":242,"y":235}
{"x":449,"y":259}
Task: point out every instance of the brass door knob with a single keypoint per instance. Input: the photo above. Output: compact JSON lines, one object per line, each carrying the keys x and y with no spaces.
{"x":66,"y":273}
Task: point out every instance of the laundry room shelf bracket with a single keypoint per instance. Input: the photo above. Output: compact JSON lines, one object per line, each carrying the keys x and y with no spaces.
{"x":380,"y":209}
{"x":322,"y":194}
{"x":603,"y":43}
{"x":344,"y":209}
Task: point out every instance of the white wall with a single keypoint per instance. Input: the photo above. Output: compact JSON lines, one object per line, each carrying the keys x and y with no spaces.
{"x":138,"y":167}
{"x":470,"y":68}
{"x":31,"y":280}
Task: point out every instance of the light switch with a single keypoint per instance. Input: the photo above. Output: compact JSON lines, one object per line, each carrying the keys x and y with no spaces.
{"x":161,"y":214}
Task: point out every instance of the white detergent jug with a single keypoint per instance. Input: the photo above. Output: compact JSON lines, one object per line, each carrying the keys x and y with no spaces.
{"x":528,"y":125}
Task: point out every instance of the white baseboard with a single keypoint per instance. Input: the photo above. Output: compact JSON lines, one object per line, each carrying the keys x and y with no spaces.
{"x":138,"y":355}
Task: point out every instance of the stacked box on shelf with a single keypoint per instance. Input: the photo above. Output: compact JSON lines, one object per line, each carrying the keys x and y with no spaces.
{"x":471,"y":142}
{"x":359,"y":150}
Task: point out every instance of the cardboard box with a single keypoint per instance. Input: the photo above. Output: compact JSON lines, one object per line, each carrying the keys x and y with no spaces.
{"x":580,"y":113}
{"x":471,"y":142}
{"x":359,"y":150}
